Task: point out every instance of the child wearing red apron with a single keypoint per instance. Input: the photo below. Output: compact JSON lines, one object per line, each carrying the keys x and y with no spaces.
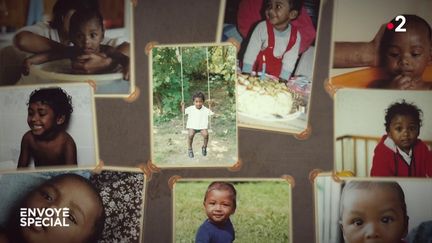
{"x":274,"y":44}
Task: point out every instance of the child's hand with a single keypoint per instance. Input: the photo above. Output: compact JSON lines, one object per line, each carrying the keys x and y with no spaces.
{"x":402,"y":82}
{"x":125,"y":71}
{"x":284,"y":81}
{"x":35,"y":59}
{"x":182,"y":106}
{"x":26,"y":66}
{"x":91,"y":63}
{"x":376,"y":42}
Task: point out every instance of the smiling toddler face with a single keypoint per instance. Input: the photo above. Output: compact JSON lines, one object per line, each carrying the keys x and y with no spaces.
{"x":219,"y":206}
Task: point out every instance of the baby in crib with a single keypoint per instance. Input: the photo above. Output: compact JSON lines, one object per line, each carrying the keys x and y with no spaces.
{"x":86,"y":32}
{"x":400,"y":152}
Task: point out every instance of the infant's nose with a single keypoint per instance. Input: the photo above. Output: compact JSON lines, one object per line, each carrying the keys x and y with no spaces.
{"x":372,"y":231}
{"x":404,"y":61}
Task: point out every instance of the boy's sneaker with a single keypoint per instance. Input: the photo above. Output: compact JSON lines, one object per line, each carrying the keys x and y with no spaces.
{"x":204,"y":151}
{"x":190,"y":152}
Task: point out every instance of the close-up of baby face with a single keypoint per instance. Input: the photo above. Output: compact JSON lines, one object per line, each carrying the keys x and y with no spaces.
{"x":373,"y":215}
{"x":89,"y":37}
{"x":219,"y":205}
{"x":408,"y":53}
{"x":84,"y":206}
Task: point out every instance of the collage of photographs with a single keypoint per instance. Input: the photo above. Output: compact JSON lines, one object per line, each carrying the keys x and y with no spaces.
{"x":215,"y":121}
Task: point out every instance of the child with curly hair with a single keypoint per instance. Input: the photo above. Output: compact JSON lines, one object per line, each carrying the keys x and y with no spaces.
{"x":400,"y":152}
{"x":47,"y":142}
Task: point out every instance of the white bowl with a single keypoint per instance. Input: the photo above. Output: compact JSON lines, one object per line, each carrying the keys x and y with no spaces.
{"x":60,"y":71}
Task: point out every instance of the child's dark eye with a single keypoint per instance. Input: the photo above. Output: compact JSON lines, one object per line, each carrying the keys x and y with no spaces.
{"x":358,"y":222}
{"x":387,"y":219}
{"x":413,"y":128}
{"x":46,"y":195}
{"x":393,"y":54}
{"x":93,"y":35}
{"x":415,"y":54}
{"x":72,"y":218}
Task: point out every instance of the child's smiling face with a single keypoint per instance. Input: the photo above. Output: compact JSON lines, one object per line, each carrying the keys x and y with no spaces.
{"x":280,"y":13}
{"x":219,"y":205}
{"x":198,"y":102}
{"x":408,"y":53}
{"x":67,"y":192}
{"x":373,"y":215}
{"x":404,"y":131}
{"x":89,"y":37}
{"x":41,"y":119}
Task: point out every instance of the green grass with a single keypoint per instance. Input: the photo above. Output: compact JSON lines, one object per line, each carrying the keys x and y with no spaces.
{"x":263,"y":211}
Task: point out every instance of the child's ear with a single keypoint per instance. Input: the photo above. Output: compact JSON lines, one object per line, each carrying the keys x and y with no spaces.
{"x":342,"y":229}
{"x":293,"y":14}
{"x":430,"y":53}
{"x":406,"y":226}
{"x":60,"y":120}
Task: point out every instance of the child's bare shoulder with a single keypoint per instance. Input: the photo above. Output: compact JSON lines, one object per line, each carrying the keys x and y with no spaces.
{"x":28,"y":138}
{"x":66,"y":139}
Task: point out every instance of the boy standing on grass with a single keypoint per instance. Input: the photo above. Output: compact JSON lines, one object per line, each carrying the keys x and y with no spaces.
{"x":220,"y":204}
{"x":197,"y":121}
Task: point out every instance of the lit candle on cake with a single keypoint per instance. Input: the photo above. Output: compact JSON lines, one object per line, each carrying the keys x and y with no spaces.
{"x":263,"y":68}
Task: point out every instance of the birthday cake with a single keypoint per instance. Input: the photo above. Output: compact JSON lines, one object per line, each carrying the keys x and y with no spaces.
{"x":264,"y":98}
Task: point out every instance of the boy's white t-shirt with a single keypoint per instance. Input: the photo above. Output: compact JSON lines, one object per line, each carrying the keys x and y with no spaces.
{"x":198,"y":118}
